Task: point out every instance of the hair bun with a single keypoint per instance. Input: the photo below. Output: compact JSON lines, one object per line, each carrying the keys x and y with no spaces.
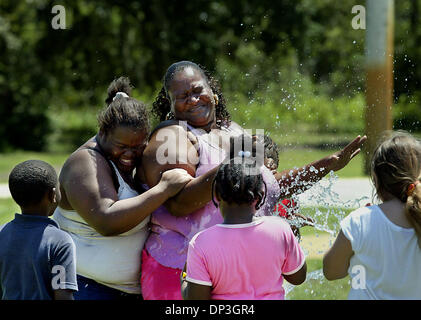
{"x":120,"y":94}
{"x":119,"y":86}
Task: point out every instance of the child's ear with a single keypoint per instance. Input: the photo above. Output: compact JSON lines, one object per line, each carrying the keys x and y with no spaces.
{"x":52,"y":195}
{"x":215,"y":195}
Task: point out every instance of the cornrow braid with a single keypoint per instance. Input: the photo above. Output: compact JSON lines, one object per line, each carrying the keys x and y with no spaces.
{"x":270,"y":146}
{"x":235,"y":183}
{"x":161,"y":107}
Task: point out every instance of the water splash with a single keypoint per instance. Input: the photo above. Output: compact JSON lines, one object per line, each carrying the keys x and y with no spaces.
{"x":325,"y":206}
{"x":316,"y":275}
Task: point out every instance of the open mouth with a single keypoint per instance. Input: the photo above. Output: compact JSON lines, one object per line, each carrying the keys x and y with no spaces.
{"x":127,"y":162}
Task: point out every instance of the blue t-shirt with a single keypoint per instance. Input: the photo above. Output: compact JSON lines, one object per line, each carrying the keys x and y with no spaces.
{"x":36,"y":258}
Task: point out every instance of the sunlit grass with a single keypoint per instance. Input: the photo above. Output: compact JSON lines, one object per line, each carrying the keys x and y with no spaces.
{"x":298,"y":157}
{"x":8,"y":208}
{"x":9,"y":160}
{"x":319,"y":288}
{"x":288,"y":159}
{"x":313,"y":289}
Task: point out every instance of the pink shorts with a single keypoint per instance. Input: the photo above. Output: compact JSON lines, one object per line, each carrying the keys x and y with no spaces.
{"x":159,"y":282}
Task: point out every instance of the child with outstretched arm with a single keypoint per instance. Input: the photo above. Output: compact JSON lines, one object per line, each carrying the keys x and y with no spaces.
{"x":286,"y":208}
{"x":245,"y":257}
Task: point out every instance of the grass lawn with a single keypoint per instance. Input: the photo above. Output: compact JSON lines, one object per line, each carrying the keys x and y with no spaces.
{"x":316,"y":287}
{"x":9,"y":160}
{"x":8,"y":208}
{"x":288,"y":159}
{"x":314,"y":243}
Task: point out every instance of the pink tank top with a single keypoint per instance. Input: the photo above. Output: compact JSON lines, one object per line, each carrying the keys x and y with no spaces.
{"x":170,"y":236}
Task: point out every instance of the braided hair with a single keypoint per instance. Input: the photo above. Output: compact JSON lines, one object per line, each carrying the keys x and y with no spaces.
{"x":237,"y":181}
{"x":122,"y":110}
{"x":270,"y":146}
{"x":234,"y":183}
{"x":161,"y":107}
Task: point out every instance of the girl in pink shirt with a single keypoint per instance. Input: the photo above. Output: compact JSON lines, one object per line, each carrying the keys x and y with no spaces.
{"x":244,"y":257}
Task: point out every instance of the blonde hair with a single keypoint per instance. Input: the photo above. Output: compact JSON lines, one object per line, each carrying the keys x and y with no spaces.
{"x":395,"y":165}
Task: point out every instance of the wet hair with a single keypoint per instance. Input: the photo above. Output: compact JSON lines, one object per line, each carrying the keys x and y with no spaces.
{"x":271,"y":148}
{"x":161,"y":107}
{"x":122,"y":111}
{"x":237,"y":181}
{"x":395,"y":165}
{"x":30,"y":180}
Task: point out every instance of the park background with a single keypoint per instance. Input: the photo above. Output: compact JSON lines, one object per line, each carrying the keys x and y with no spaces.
{"x":295,"y":68}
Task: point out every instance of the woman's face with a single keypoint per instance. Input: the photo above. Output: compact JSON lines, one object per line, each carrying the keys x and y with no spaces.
{"x":124,"y":146}
{"x":192,"y":99}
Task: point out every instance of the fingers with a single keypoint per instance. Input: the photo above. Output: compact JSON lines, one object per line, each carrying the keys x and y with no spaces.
{"x":355,"y":153}
{"x":356,"y":143}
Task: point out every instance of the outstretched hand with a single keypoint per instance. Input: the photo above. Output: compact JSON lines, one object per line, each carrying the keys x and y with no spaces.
{"x":341,"y":158}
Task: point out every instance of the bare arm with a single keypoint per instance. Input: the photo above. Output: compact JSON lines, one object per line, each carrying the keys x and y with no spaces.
{"x":194,"y":291}
{"x":299,"y":180}
{"x":197,"y":192}
{"x":337,"y":258}
{"x":299,"y":277}
{"x":63,"y":294}
{"x":86,"y":180}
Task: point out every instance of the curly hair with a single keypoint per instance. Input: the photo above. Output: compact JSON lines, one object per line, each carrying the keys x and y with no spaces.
{"x":30,"y":180}
{"x":161,"y":107}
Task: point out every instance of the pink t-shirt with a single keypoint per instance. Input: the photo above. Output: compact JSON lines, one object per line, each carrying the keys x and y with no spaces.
{"x":245,"y":261}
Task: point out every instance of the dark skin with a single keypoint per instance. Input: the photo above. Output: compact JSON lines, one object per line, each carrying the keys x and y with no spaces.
{"x":45,"y":208}
{"x":272,"y":165}
{"x":192,"y":100}
{"x":233,"y":214}
{"x":190,"y":95}
{"x":87,"y":182}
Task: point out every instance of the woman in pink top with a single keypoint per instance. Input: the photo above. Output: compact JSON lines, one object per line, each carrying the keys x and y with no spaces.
{"x":195,"y":124}
{"x":244,"y":257}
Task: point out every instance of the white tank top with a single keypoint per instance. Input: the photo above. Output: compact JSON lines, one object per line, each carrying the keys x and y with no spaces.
{"x":112,"y":261}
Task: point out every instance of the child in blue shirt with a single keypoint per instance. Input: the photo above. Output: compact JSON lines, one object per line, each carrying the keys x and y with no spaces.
{"x":37,"y":259}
